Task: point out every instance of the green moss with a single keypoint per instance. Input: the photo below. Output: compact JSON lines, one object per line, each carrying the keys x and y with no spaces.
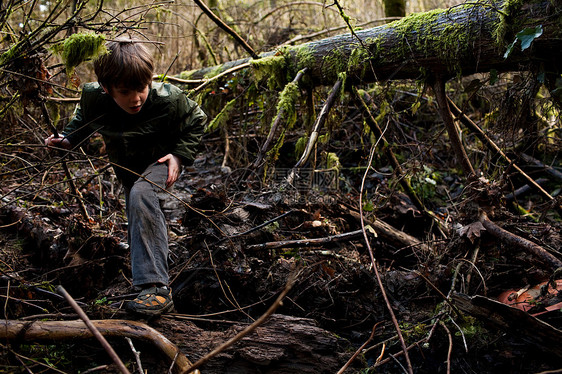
{"x":504,"y":24}
{"x":78,"y":48}
{"x":286,"y":104}
{"x":332,"y":161}
{"x":305,"y":58}
{"x":187,"y":75}
{"x":437,"y":33}
{"x":335,"y":62}
{"x":272,"y":67}
{"x":216,"y":71}
{"x":10,"y":54}
{"x":358,"y":61}
{"x":273,"y":153}
{"x":221,"y":118}
{"x":300,"y":145}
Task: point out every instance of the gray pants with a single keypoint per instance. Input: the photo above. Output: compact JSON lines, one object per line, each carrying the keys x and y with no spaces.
{"x":148,"y":232}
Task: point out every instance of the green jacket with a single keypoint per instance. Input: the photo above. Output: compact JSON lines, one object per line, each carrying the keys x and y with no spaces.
{"x":168,"y":122}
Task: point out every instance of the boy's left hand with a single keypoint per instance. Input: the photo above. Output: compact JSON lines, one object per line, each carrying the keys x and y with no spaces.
{"x":174,"y":168}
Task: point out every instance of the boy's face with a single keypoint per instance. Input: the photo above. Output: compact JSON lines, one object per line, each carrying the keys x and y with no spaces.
{"x":129,"y":99}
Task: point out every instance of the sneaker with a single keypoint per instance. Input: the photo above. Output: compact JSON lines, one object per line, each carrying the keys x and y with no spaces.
{"x":152,"y":302}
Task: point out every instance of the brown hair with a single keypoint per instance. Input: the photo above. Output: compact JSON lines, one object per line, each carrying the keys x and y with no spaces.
{"x":127,"y":63}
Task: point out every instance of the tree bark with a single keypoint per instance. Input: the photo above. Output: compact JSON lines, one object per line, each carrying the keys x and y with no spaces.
{"x":461,"y":40}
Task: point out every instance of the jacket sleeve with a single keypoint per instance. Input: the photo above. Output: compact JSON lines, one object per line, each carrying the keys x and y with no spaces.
{"x":191,"y":128}
{"x":78,"y":129}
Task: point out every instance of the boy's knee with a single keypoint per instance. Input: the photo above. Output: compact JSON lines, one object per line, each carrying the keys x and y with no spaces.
{"x":139,"y":193}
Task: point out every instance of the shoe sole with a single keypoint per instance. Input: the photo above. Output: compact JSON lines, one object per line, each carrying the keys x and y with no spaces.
{"x":153,"y":313}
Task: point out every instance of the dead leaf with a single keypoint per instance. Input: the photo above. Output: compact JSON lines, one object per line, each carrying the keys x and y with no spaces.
{"x":472,"y":231}
{"x":528,"y":297}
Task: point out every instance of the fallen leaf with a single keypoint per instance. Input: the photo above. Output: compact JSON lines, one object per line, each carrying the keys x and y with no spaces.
{"x":472,"y":231}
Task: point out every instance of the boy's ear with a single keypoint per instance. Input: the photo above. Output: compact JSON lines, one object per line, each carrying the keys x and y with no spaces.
{"x":104,"y":89}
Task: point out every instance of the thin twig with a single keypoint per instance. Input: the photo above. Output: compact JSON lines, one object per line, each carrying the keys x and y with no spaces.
{"x":308,"y":242}
{"x":442,"y":324}
{"x":254,"y":228}
{"x":136,"y":354}
{"x":316,"y":129}
{"x":71,"y":183}
{"x":226,"y":28}
{"x":93,"y":330}
{"x":493,"y":146}
{"x":374,"y":262}
{"x":520,"y":242}
{"x":439,"y":292}
{"x":273,"y":129}
{"x":214,"y":78}
{"x":248,"y":329}
{"x":344,"y":368}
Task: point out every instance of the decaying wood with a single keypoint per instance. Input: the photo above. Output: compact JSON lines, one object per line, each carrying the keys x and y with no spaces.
{"x":516,"y":322}
{"x":520,"y":242}
{"x":282,"y":345}
{"x":550,"y":170}
{"x":278,"y":302}
{"x":521,"y":191}
{"x":64,"y":330}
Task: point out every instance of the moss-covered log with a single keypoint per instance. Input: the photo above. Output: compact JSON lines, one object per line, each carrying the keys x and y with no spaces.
{"x":461,"y":40}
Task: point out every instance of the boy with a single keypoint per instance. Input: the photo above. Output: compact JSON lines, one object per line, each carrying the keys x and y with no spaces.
{"x":149,"y":129}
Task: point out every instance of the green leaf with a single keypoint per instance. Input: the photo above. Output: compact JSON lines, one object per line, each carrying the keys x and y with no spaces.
{"x":493,"y":76}
{"x":368,"y":206}
{"x":526,"y":37}
{"x":509,"y":49}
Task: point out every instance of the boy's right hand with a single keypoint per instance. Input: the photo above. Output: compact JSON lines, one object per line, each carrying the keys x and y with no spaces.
{"x":58,"y":142}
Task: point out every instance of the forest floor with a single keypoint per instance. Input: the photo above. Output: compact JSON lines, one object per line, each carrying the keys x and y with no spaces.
{"x":233,"y":251}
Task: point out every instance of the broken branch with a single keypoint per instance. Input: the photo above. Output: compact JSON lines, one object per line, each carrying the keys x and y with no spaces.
{"x":520,"y":242}
{"x":309,"y":242}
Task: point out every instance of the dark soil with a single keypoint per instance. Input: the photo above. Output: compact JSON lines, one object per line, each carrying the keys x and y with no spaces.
{"x":220,"y":281}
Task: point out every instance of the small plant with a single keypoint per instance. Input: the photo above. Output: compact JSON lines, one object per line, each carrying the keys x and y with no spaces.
{"x":425,"y":182}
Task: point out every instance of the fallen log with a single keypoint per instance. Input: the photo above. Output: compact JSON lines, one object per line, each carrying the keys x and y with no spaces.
{"x":64,"y":330}
{"x":282,"y":345}
{"x":462,"y":40}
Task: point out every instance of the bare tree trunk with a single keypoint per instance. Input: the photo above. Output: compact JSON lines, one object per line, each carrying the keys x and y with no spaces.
{"x":394,"y":8}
